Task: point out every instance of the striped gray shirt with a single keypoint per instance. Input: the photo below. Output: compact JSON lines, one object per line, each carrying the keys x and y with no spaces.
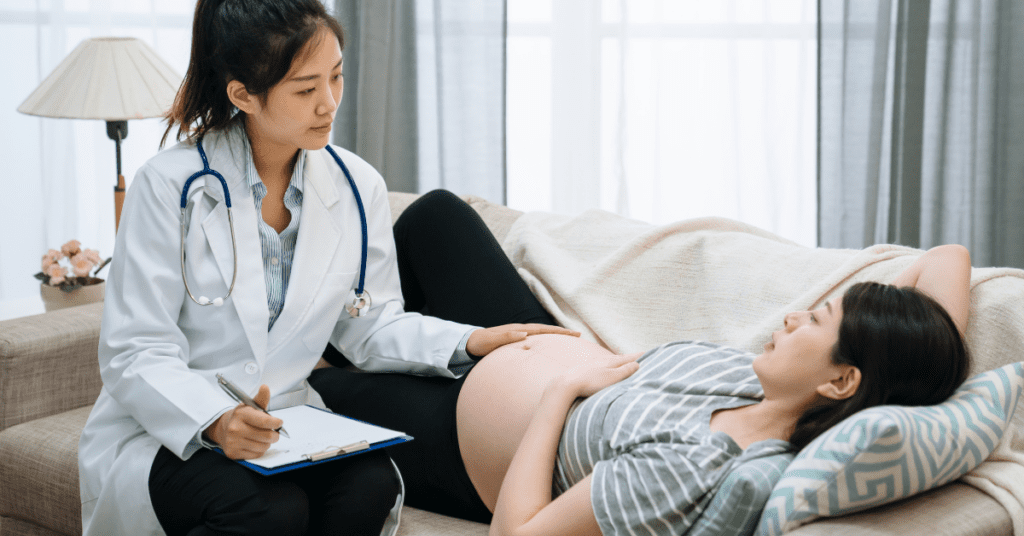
{"x":647,"y":441}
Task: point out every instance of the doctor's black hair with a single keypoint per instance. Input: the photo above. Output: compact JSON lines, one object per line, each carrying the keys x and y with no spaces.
{"x":252,"y":41}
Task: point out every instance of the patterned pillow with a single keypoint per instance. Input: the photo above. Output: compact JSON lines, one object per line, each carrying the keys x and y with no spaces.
{"x":738,"y":502}
{"x":887,"y":453}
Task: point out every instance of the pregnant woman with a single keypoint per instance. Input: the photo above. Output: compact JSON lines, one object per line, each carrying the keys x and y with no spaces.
{"x":557,"y":435}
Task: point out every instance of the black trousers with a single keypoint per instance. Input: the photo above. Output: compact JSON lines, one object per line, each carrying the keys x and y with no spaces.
{"x":451,"y":267}
{"x":209,"y":494}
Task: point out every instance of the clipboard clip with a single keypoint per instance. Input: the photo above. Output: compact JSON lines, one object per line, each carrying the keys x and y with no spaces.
{"x":331,"y":452}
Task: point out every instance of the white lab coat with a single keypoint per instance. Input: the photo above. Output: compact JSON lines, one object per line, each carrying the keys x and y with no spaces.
{"x":159,"y":351}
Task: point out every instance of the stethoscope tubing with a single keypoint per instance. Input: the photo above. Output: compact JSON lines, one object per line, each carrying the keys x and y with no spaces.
{"x":362,"y":220}
{"x":362,"y":301}
{"x":203,"y":300}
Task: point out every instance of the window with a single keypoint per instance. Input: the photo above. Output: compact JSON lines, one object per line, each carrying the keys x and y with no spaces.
{"x":664,"y":110}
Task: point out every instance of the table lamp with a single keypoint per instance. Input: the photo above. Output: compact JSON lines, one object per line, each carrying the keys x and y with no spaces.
{"x":109,"y":78}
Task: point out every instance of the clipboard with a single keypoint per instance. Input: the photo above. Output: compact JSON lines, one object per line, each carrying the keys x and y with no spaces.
{"x":319,"y":436}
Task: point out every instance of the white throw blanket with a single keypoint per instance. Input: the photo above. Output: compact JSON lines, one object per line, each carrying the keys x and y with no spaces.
{"x":631,"y":286}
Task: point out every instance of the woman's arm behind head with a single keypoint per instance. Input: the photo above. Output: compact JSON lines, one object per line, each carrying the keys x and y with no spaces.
{"x":944,"y":273}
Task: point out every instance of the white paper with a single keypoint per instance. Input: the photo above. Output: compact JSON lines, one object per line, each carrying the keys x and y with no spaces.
{"x":313,"y":430}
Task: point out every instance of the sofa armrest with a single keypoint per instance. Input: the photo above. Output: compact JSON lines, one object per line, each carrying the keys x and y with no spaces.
{"x":49,"y":363}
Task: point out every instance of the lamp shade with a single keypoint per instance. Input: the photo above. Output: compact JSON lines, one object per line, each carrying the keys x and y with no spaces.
{"x":111,"y":78}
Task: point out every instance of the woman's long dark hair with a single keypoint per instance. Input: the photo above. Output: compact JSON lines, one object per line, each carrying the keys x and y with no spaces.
{"x":252,"y":41}
{"x":907,"y":347}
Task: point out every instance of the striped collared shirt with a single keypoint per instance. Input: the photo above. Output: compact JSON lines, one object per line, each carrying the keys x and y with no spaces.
{"x":278,"y":249}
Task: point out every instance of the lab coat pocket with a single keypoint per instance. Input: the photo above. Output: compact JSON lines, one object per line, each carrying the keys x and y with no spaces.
{"x":328,"y":307}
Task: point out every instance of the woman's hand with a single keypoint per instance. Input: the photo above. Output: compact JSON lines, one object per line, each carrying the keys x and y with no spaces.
{"x":592,"y":375}
{"x":484,"y":341}
{"x":525,"y":506}
{"x":243,"y":432}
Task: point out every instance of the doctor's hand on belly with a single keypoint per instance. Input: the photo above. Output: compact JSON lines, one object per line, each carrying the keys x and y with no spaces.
{"x":484,"y":341}
{"x":243,"y":432}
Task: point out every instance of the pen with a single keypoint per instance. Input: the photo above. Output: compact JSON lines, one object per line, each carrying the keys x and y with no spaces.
{"x":243,"y":398}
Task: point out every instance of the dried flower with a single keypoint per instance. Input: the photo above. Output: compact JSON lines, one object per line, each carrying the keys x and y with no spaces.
{"x":92,"y":255}
{"x":71,"y":248}
{"x":56,"y":274}
{"x":82,"y":261}
{"x":50,"y":257}
{"x":81,"y":265}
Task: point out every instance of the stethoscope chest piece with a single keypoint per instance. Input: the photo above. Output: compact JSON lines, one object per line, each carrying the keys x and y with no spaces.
{"x":360,"y":304}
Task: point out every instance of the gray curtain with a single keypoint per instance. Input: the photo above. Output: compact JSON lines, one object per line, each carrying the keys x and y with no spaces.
{"x":377,"y":116}
{"x":921,"y":125}
{"x":425,"y":93}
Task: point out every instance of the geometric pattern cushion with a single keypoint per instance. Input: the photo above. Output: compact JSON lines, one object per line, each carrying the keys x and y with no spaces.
{"x":887,"y":453}
{"x":737,"y":503}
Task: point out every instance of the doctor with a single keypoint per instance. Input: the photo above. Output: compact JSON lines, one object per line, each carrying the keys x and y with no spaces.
{"x":257,"y":104}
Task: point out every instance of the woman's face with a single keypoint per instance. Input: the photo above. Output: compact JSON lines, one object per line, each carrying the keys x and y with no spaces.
{"x":799,"y":358}
{"x":300,"y":109}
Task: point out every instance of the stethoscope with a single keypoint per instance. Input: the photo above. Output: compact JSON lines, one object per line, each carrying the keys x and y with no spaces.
{"x":360,"y":304}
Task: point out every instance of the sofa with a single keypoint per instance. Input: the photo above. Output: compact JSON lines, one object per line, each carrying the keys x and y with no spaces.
{"x":49,"y":379}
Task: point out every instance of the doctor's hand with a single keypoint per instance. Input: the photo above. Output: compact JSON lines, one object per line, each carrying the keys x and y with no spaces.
{"x":484,"y":341}
{"x":244,"y":433}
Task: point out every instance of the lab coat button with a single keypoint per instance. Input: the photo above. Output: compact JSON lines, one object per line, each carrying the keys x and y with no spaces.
{"x":251,"y":368}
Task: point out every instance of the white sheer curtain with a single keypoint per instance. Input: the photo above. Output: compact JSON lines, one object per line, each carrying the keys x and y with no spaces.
{"x":664,"y":110}
{"x":460,"y":89}
{"x":59,"y":173}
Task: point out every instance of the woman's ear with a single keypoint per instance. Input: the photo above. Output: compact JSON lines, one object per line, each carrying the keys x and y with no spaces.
{"x":241,"y":98}
{"x":843,"y":386}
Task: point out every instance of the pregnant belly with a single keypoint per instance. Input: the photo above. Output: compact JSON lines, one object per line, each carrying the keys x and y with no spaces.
{"x":499,"y":398}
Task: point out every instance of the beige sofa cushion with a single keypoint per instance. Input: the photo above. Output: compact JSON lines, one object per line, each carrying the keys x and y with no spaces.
{"x":40,"y":460}
{"x":499,"y":218}
{"x":421,"y":523}
{"x":17,"y":527}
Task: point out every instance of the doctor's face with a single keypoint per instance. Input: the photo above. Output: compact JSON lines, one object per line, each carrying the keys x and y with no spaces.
{"x":299,"y":109}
